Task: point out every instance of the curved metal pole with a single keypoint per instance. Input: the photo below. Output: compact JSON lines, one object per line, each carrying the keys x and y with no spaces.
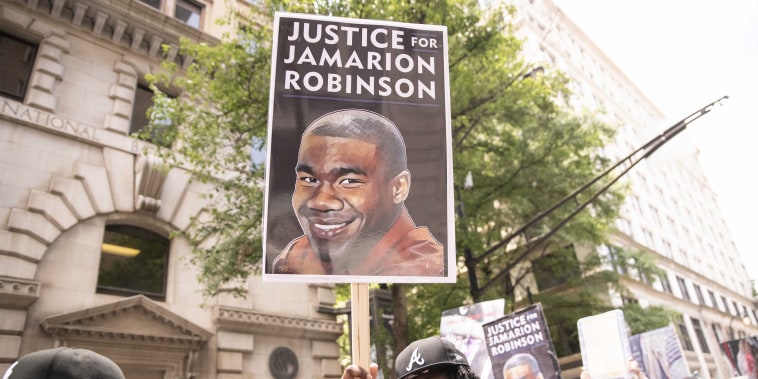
{"x":648,"y":148}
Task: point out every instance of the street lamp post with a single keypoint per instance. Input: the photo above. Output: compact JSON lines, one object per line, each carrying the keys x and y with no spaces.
{"x":745,"y":321}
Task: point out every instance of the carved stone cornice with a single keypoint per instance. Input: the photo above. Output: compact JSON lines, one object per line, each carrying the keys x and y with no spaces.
{"x":18,"y":293}
{"x":69,"y":332}
{"x":250,"y":321}
{"x":127,"y":23}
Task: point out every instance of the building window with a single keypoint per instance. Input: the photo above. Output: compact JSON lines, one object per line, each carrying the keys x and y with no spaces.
{"x":683,"y":288}
{"x":626,"y":300}
{"x":726,"y":305}
{"x":189,"y":12}
{"x":664,"y":279}
{"x":557,"y":268}
{"x":745,"y":315}
{"x":714,"y":303}
{"x":649,"y":239}
{"x":717,"y":333}
{"x":246,"y":40}
{"x":153,"y":3}
{"x":700,"y":336}
{"x":641,"y":275}
{"x":667,"y":249}
{"x":133,"y":261}
{"x":624,"y":226}
{"x":699,"y":294}
{"x":143,"y":100}
{"x":16,"y":63}
{"x":684,"y":337}
{"x":619,"y":265}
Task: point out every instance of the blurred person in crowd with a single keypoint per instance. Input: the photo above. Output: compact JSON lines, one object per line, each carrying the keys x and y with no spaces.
{"x":427,"y":358}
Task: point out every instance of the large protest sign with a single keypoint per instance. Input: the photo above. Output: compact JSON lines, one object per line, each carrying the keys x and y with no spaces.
{"x":359,"y":173}
{"x":604,"y":341}
{"x":742,"y":355}
{"x":519,"y":345}
{"x":659,"y":353}
{"x":463,"y":327}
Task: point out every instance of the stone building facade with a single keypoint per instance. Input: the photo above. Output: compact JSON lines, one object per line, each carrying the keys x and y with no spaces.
{"x":74,"y":185}
{"x":670,"y":212}
{"x":71,"y":179}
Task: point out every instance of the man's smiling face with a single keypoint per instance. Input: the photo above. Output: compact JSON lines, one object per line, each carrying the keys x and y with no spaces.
{"x":343,"y":196}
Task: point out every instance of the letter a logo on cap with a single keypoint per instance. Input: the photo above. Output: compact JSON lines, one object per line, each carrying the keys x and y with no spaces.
{"x":10,"y":371}
{"x":415,"y":358}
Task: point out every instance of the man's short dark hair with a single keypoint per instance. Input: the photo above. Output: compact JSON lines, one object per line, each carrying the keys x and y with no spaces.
{"x":367,"y":126}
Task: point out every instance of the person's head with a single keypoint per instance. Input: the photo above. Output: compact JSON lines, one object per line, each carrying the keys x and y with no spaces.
{"x":522,"y":366}
{"x":432,"y":358}
{"x":351,"y":182}
{"x":63,"y":363}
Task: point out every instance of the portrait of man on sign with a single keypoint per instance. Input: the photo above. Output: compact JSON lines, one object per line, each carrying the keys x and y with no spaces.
{"x":351,"y":182}
{"x":522,"y":366}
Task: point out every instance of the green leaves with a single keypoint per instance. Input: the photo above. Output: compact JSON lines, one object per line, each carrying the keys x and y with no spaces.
{"x":512,"y":128}
{"x":644,"y":319}
{"x":217,"y":119}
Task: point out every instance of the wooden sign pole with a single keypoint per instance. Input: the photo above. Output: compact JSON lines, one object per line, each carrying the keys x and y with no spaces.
{"x":360,"y":324}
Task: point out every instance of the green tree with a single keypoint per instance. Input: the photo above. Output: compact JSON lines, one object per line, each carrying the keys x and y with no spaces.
{"x":513,"y":132}
{"x":644,"y":319}
{"x":220,"y":118}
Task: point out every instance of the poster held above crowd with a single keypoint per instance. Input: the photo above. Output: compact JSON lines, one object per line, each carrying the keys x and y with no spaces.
{"x":359,"y":153}
{"x":359,"y":158}
{"x":604,"y":341}
{"x":659,"y":353}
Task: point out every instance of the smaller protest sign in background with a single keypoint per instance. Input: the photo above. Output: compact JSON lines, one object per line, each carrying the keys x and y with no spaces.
{"x":604,"y":341}
{"x":519,"y":345}
{"x":659,"y":354}
{"x":463,"y":327}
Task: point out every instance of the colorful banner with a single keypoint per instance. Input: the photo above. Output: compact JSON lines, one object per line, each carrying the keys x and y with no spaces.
{"x":359,"y":173}
{"x":742,"y":354}
{"x":519,"y":346}
{"x":659,"y":353}
{"x":463,"y":327}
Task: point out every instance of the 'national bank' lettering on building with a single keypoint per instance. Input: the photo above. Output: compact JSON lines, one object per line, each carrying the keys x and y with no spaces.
{"x":28,"y":115}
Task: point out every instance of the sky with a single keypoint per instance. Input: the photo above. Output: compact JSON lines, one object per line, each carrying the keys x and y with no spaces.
{"x":683,"y":55}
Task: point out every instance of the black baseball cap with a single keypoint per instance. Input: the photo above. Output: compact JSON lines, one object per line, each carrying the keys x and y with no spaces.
{"x":64,"y":363}
{"x":422,"y":355}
